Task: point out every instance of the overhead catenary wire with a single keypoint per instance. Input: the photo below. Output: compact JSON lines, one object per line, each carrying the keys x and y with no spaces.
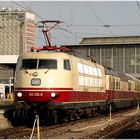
{"x":30,"y":10}
{"x":93,"y":11}
{"x":138,"y":5}
{"x":65,"y":24}
{"x":66,"y":36}
{"x":70,"y":32}
{"x":70,"y":25}
{"x":106,"y":25}
{"x":80,"y":36}
{"x":27,"y":5}
{"x":72,"y":12}
{"x":77,"y":34}
{"x":99,"y":19}
{"x":78,"y":25}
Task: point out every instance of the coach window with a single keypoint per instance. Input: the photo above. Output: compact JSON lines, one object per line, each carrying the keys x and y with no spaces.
{"x":129,"y":85}
{"x":80,"y":68}
{"x":67,"y":65}
{"x":86,"y":69}
{"x":136,"y":87}
{"x":117,"y":84}
{"x":110,"y":83}
{"x":114,"y":83}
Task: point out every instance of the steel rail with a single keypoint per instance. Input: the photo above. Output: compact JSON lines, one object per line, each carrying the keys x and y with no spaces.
{"x":120,"y":130}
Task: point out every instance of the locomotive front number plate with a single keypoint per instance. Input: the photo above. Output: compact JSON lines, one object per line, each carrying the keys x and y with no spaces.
{"x":35,"y":94}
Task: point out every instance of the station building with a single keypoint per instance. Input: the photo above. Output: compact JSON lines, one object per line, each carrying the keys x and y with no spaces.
{"x":17,"y":31}
{"x":120,"y":53}
{"x":17,"y":35}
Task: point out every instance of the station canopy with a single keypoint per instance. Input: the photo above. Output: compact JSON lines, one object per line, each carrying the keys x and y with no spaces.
{"x":8,"y":59}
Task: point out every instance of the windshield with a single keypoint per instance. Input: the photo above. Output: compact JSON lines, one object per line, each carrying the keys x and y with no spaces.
{"x":39,"y":64}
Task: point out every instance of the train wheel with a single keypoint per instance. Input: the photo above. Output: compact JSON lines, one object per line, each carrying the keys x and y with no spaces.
{"x":54,"y":117}
{"x":77,"y":114}
{"x":63,"y":116}
{"x":82,"y":113}
{"x":14,"y":117}
{"x":114,"y":108}
{"x":95,"y":111}
{"x":29,"y":117}
{"x":87,"y":112}
{"x":71,"y":115}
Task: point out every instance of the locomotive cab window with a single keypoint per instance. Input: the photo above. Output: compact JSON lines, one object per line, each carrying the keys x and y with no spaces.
{"x":29,"y":64}
{"x":39,"y":64}
{"x":67,"y":65}
{"x":47,"y":64}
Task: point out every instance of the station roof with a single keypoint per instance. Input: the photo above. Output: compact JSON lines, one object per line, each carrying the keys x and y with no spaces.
{"x":8,"y":59}
{"x":110,"y":40}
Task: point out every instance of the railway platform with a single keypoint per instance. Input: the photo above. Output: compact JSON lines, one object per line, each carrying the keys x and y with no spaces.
{"x":4,"y":123}
{"x":4,"y":105}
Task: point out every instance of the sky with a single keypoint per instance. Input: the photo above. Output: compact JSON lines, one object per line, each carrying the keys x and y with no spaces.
{"x":83,"y":18}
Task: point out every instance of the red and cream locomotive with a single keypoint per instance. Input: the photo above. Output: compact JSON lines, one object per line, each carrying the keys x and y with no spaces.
{"x":61,"y":86}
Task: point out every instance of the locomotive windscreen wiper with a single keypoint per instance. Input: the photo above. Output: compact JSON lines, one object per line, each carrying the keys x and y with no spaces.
{"x":46,"y":71}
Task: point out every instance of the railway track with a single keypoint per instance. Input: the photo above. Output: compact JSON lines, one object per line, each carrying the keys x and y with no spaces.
{"x":61,"y":129}
{"x":111,"y":129}
{"x":121,"y":128}
{"x":24,"y":132}
{"x":14,"y":132}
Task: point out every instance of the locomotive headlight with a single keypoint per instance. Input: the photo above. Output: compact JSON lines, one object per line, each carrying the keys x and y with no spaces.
{"x":35,"y":82}
{"x":53,"y":95}
{"x":19,"y":94}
